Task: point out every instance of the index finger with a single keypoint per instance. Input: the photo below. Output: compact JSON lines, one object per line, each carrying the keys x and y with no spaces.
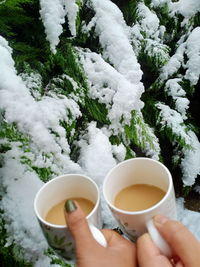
{"x":182,"y":241}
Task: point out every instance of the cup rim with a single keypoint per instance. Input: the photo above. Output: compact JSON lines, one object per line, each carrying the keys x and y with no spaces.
{"x":140,"y":211}
{"x":58,"y":226}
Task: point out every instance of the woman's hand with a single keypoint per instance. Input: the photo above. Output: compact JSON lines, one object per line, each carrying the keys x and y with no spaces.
{"x":118,"y":253}
{"x":186,"y":249}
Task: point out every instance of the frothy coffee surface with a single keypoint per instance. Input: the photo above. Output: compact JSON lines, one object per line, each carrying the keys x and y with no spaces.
{"x":56,"y":214}
{"x":138,"y":197}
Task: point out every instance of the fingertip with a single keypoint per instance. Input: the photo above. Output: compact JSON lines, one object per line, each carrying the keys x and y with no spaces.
{"x":145,"y":238}
{"x":145,"y":245}
{"x":70,"y":206}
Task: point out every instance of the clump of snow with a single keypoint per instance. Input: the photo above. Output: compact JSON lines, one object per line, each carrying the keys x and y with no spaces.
{"x":115,"y":40}
{"x":193,"y":54}
{"x":111,"y":88}
{"x":33,"y":81}
{"x":146,"y":137}
{"x":147,"y":34}
{"x":71,"y":10}
{"x":96,"y":156}
{"x":174,"y":90}
{"x":187,"y":8}
{"x":190,"y":164}
{"x":119,"y":152}
{"x":174,"y":63}
{"x":191,"y":47}
{"x":173,"y":120}
{"x":149,"y":21}
{"x":155,"y":49}
{"x":4,"y":44}
{"x":53,"y":16}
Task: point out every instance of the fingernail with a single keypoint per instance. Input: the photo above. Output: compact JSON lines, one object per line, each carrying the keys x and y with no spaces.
{"x":160,"y":219}
{"x":70,"y":206}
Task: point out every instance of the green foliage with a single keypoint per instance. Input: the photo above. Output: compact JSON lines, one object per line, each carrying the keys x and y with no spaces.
{"x":8,"y":254}
{"x":10,"y":133}
{"x":129,"y":9}
{"x":96,"y":111}
{"x":21,"y":26}
{"x":44,"y":173}
{"x":139,"y":133}
{"x":65,"y":61}
{"x":55,"y":260}
{"x":186,"y":190}
{"x":154,"y":55}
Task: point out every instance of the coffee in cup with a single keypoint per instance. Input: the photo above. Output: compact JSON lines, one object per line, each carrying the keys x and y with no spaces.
{"x":138,"y":197}
{"x":56,"y":214}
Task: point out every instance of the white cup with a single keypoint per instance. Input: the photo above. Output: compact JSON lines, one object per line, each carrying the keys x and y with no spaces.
{"x":135,"y":223}
{"x":53,"y":192}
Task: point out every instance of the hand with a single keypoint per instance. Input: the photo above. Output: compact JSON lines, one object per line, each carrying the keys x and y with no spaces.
{"x":119,"y":251}
{"x":186,"y":249}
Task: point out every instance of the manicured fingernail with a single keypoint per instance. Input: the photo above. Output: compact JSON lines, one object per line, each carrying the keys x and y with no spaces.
{"x":160,"y":219}
{"x":70,"y":206}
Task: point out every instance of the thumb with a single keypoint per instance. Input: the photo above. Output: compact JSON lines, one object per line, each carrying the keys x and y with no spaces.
{"x":181,"y":240}
{"x":78,"y":225}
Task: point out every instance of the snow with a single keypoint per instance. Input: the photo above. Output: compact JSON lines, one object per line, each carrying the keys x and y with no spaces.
{"x":191,"y":48}
{"x":193,"y":54}
{"x":71,"y":11}
{"x":149,"y":21}
{"x":190,"y":164}
{"x":21,"y":187}
{"x":22,"y":226}
{"x":36,"y":117}
{"x":115,"y":40}
{"x":173,"y":89}
{"x":147,"y":35}
{"x":187,"y":8}
{"x":96,"y":156}
{"x":111,"y":88}
{"x":157,"y":3}
{"x":174,"y":63}
{"x":53,"y":16}
{"x":189,"y":218}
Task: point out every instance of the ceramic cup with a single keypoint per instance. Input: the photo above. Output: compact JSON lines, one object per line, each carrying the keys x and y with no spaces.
{"x":135,"y":223}
{"x":53,"y":192}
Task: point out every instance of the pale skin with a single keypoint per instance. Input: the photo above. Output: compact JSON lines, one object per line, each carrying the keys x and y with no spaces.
{"x":123,"y":253}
